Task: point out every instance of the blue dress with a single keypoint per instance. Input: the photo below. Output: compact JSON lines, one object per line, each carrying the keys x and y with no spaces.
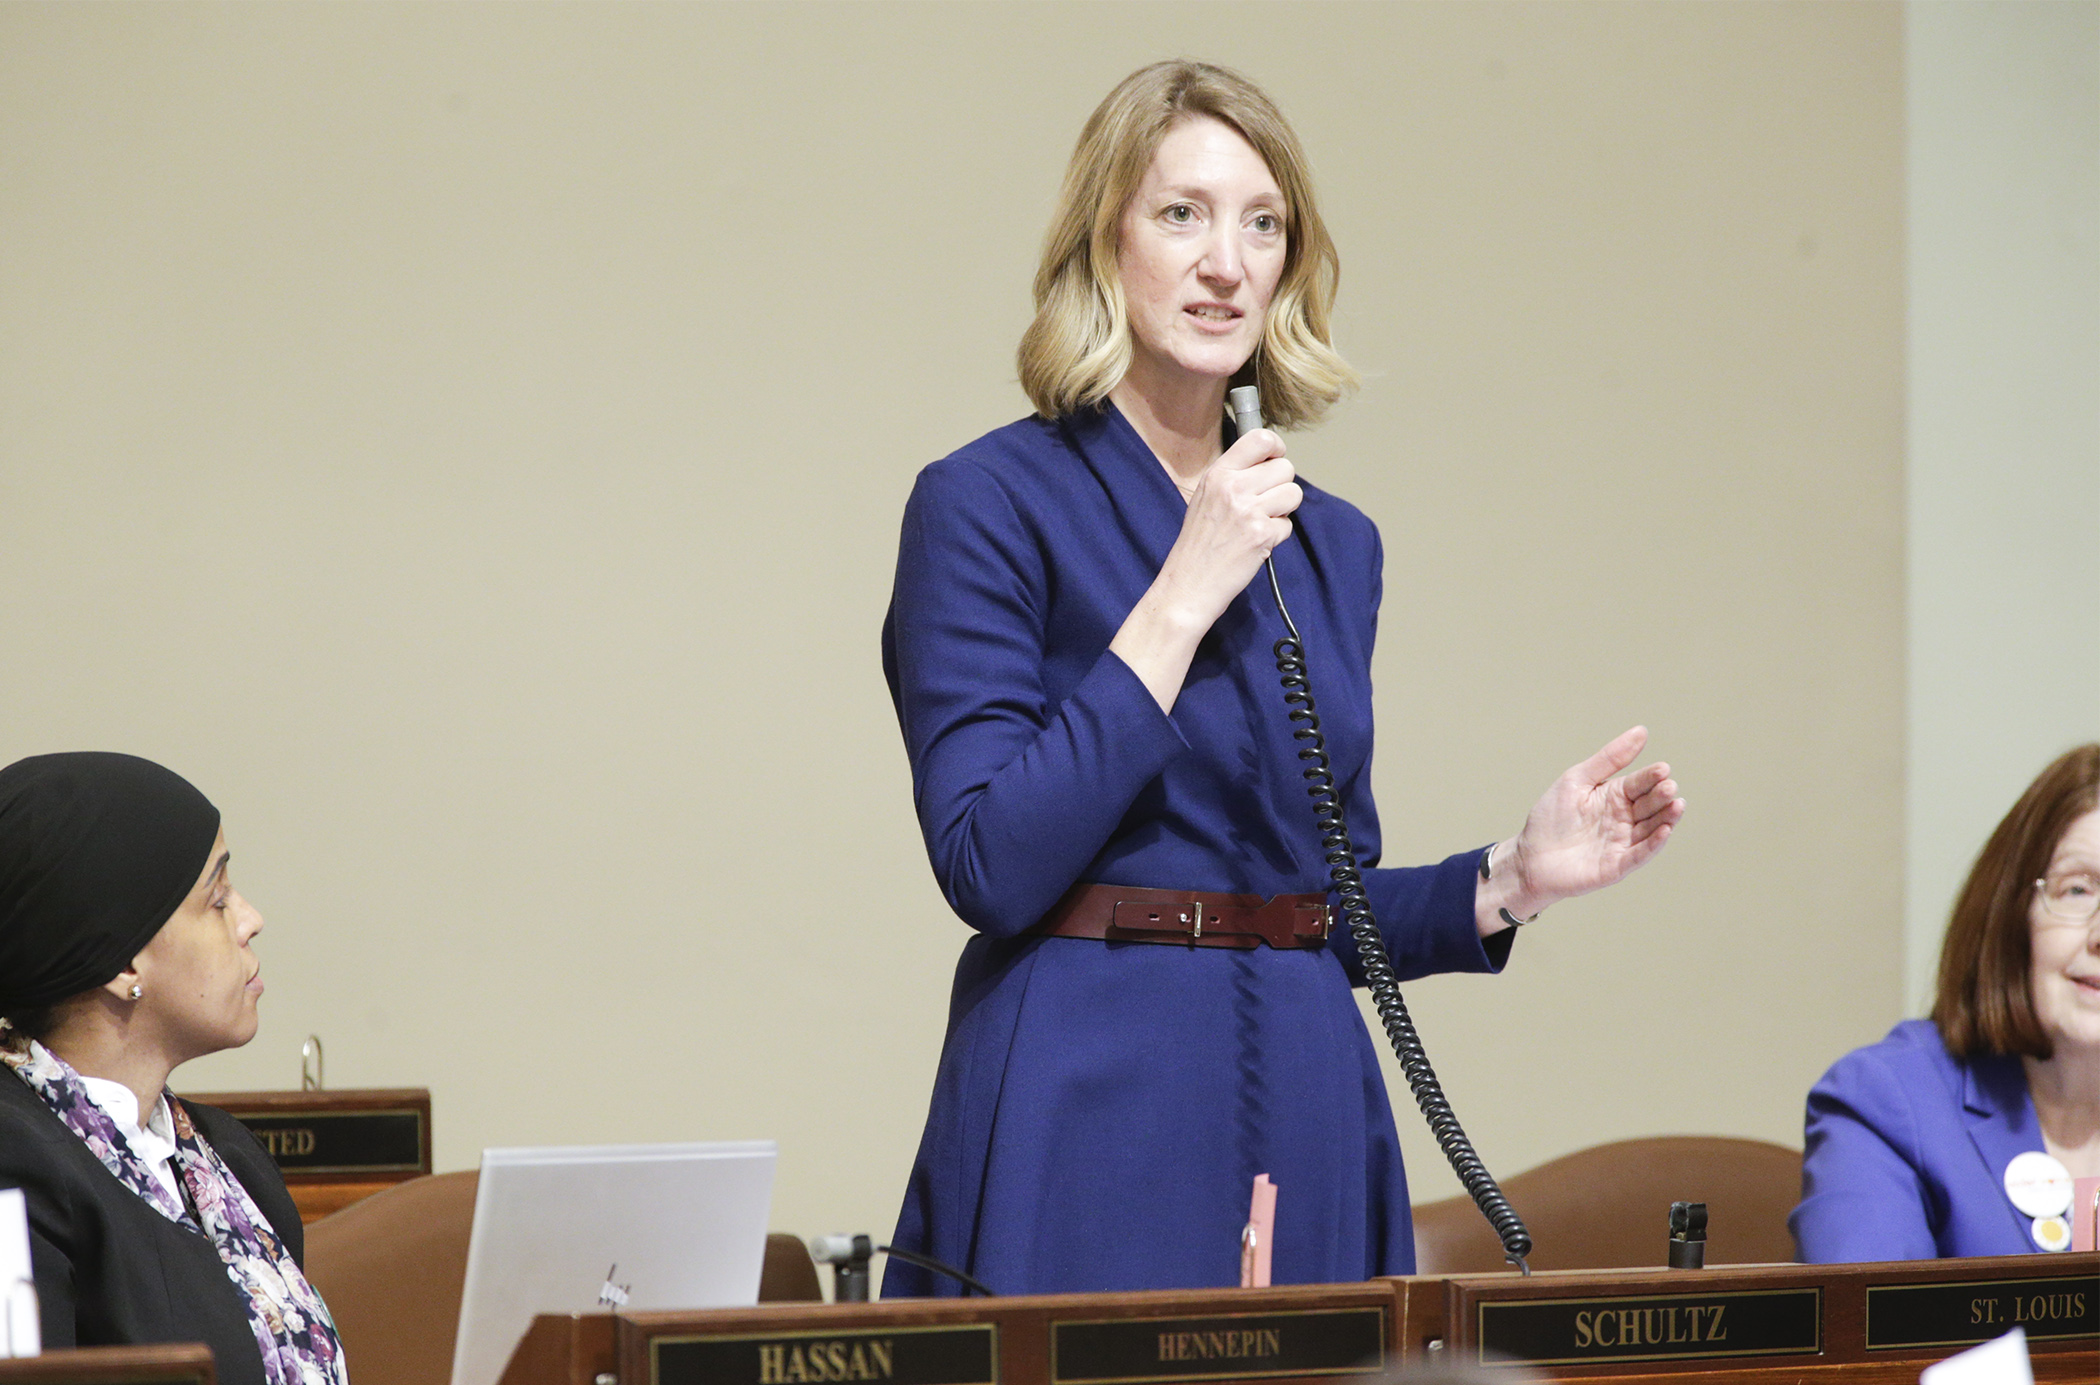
{"x":1101,"y":1109}
{"x":1907,"y":1148}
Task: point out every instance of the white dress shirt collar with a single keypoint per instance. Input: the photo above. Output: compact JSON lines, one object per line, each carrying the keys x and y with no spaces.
{"x":153,"y":1142}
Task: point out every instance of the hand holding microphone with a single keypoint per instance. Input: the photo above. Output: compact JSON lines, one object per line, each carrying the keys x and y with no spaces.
{"x":1237,"y":513}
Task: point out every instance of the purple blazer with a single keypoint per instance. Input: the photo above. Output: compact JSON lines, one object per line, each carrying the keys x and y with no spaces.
{"x":1907,"y":1148}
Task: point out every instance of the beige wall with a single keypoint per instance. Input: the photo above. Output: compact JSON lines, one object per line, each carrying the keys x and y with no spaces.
{"x":2003,"y":494}
{"x":468,"y":441}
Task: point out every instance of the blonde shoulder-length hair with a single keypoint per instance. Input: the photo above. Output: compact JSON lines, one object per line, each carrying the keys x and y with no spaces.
{"x":1078,"y":348}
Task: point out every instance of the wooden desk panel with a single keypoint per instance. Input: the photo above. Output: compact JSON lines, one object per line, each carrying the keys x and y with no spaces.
{"x":1288,"y":1333}
{"x":1922,"y":1311}
{"x":1247,"y":1334}
{"x":182,"y":1363}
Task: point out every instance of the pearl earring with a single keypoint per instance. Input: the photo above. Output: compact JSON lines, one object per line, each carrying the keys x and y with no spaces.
{"x":135,"y":991}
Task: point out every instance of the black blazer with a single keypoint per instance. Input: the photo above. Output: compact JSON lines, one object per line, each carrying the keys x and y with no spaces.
{"x":111,"y":1270}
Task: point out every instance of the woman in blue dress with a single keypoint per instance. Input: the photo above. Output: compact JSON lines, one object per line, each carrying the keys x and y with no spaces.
{"x":1105,"y":777}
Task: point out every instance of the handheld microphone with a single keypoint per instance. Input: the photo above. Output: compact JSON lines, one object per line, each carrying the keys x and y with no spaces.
{"x":1246,"y":409}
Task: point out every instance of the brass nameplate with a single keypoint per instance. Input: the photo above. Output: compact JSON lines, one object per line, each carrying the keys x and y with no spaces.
{"x":341,"y":1141}
{"x":1240,"y":1346}
{"x":1947,"y":1315}
{"x":1655,"y":1327}
{"x":963,"y":1355}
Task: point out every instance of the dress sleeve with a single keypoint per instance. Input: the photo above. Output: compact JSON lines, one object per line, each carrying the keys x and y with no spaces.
{"x":1425,"y":917}
{"x":1015,"y":794}
{"x":1862,"y":1196}
{"x":1424,"y":913}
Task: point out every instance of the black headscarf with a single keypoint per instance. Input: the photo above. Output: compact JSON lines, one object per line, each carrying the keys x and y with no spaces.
{"x":96,"y":851}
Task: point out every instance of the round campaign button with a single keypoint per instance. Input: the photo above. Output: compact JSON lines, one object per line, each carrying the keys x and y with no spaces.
{"x":2052,"y":1233}
{"x":2038,"y":1185}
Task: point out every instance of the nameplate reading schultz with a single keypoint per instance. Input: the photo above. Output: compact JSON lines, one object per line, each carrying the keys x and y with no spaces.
{"x":962,"y":1355}
{"x":341,"y":1141}
{"x":1937,"y":1315}
{"x":1242,"y":1346}
{"x":1667,"y":1327}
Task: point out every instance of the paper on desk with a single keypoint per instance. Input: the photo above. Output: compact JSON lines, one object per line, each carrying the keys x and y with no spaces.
{"x":20,"y":1332}
{"x":2002,"y":1361}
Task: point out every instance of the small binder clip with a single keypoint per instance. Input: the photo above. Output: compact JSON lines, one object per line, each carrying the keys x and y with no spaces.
{"x":1259,"y":1235}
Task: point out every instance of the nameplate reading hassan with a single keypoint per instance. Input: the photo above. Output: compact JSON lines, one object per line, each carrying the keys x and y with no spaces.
{"x":962,"y":1355}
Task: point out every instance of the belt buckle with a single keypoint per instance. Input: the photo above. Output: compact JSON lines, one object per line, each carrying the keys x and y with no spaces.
{"x":1324,"y":925}
{"x":1184,"y":919}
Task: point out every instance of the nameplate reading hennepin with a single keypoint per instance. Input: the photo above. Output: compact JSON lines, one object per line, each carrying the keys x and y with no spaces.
{"x":1664,"y":1327}
{"x":1242,"y":1346}
{"x":341,"y":1141}
{"x":1946,"y":1315}
{"x":963,"y":1355}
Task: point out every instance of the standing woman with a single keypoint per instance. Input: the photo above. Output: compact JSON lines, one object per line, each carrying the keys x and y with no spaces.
{"x":1088,"y":697}
{"x":124,"y":952}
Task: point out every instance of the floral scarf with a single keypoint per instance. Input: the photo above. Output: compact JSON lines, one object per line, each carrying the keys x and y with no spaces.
{"x":292,"y":1328}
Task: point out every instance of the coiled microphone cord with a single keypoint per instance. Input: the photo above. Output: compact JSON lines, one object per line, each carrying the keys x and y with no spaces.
{"x":1348,"y":885}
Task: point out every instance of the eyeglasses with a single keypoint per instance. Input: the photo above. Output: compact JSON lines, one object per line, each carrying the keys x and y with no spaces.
{"x":2072,"y":898}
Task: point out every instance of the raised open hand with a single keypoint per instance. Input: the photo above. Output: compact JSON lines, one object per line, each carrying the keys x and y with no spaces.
{"x":1591,"y":829}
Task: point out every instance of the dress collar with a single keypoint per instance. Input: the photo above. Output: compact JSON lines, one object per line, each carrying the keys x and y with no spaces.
{"x":1151,"y":506}
{"x":1124,"y":466}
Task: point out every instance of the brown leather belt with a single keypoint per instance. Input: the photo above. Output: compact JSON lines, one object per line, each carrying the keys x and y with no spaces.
{"x":1193,"y":918}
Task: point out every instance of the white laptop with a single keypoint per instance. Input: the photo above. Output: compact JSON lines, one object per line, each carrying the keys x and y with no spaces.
{"x":578,"y":1229}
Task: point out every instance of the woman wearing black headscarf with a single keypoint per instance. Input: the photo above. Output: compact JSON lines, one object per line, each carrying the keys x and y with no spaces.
{"x":124,"y":952}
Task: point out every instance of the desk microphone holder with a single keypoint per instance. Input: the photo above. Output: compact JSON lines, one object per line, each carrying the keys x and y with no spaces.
{"x":1687,"y":1235}
{"x":848,"y":1257}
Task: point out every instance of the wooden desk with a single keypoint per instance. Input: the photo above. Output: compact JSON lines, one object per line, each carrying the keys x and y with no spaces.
{"x":1742,"y":1325}
{"x":183,"y":1363}
{"x":336,"y":1147}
